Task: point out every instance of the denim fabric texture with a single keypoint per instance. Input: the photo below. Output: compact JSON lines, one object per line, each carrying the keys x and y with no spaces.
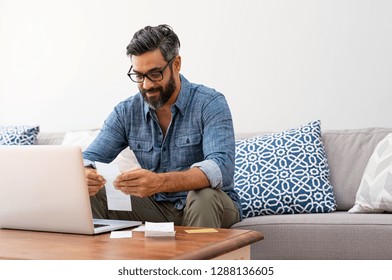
{"x":200,"y":135}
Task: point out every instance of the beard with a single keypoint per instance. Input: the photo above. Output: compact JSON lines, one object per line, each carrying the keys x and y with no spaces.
{"x":156,"y":102}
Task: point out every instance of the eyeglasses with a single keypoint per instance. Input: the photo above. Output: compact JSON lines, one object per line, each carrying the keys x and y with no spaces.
{"x":153,"y":76}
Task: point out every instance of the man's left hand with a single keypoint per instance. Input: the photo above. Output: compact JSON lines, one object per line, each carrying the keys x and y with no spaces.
{"x":139,"y":182}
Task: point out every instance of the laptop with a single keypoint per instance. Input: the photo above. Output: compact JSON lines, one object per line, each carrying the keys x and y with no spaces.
{"x":43,"y":188}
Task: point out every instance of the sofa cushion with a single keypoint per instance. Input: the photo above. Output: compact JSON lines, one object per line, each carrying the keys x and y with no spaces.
{"x":348,"y":152}
{"x":283,"y":173}
{"x":81,"y":138}
{"x":50,"y":138}
{"x":375,"y":191}
{"x":18,"y":135}
{"x":336,"y":235}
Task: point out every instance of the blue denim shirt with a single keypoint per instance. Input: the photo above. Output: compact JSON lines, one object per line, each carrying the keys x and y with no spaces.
{"x":200,"y":135}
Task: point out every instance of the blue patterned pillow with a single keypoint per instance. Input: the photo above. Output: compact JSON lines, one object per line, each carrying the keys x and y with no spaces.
{"x":18,"y":135}
{"x":284,"y":173}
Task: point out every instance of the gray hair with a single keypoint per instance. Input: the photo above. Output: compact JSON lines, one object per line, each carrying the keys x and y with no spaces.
{"x":151,"y":38}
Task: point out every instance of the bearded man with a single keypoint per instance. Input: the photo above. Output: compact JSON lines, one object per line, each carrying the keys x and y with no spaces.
{"x":182,"y":136}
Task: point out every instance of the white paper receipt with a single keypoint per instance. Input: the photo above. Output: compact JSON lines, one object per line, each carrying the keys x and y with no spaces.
{"x":121,"y":234}
{"x":117,"y":200}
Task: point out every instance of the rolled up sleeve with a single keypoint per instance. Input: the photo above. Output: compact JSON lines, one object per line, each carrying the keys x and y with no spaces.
{"x":212,"y":171}
{"x":218,"y":144}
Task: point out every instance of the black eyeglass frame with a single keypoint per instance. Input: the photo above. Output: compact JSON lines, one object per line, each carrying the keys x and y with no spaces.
{"x":130,"y":74}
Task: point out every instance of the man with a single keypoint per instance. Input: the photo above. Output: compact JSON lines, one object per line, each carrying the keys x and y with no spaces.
{"x":182,"y":135}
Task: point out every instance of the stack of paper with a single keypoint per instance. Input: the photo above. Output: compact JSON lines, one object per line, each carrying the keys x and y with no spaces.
{"x":159,"y":229}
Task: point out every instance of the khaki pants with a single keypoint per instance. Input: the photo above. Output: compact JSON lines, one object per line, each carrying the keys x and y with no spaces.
{"x":204,"y":208}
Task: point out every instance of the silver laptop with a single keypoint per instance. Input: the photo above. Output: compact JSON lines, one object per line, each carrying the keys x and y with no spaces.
{"x":43,"y":188}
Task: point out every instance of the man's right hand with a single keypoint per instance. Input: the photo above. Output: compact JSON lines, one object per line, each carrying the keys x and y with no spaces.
{"x":95,"y":182}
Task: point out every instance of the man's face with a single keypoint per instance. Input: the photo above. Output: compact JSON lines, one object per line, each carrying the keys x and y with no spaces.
{"x":158,"y":93}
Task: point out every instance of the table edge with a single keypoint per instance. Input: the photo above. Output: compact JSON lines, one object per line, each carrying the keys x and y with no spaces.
{"x":226,"y":246}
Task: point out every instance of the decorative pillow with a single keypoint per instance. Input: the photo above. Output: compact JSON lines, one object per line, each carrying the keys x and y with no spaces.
{"x":18,"y":135}
{"x":374,"y":194}
{"x":126,"y":160}
{"x":284,"y":173}
{"x":82,"y":138}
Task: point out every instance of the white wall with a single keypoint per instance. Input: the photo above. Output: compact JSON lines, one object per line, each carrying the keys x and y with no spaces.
{"x":280,"y":63}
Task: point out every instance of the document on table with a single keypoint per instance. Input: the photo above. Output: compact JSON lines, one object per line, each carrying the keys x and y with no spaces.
{"x":159,"y":229}
{"x":121,"y":234}
{"x":117,"y":200}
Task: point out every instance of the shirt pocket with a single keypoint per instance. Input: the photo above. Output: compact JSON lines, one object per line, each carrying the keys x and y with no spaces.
{"x":142,"y":150}
{"x":189,"y":149}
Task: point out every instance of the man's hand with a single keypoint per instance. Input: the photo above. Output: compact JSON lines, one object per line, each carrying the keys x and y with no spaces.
{"x":95,"y":182}
{"x":139,"y":182}
{"x":143,"y":183}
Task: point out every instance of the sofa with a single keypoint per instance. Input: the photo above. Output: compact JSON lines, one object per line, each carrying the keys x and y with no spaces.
{"x":337,"y":234}
{"x":332,"y":234}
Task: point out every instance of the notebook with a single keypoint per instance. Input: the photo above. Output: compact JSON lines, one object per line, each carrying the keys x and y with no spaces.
{"x":43,"y":188}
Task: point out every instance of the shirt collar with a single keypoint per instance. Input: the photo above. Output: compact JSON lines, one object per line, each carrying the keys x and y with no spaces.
{"x":181,"y":102}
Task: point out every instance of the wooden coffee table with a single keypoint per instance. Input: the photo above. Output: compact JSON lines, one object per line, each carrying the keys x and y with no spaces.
{"x":222,"y":244}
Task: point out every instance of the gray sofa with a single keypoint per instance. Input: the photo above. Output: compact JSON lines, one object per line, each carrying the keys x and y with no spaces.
{"x":338,"y":234}
{"x":334,"y":235}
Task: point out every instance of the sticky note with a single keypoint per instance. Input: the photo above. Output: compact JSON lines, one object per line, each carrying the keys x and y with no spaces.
{"x":201,"y":230}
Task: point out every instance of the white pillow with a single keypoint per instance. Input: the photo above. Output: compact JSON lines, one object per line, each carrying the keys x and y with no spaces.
{"x":126,"y":160}
{"x":374,"y":194}
{"x":81,"y":138}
